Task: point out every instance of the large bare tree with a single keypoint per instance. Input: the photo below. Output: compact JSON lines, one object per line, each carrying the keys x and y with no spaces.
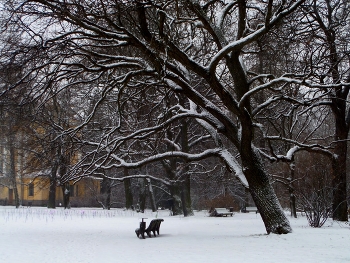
{"x":155,"y":50}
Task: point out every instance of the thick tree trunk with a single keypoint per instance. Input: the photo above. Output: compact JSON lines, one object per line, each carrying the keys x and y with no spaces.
{"x":340,"y":207}
{"x":264,"y":196}
{"x":186,"y":198}
{"x":340,"y":212}
{"x":176,"y":207}
{"x":339,"y":109}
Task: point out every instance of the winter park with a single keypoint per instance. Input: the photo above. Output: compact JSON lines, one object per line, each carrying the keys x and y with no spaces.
{"x":174,"y":131}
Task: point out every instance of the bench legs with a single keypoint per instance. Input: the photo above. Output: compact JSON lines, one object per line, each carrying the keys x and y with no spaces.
{"x":141,"y":230}
{"x":149,"y":234}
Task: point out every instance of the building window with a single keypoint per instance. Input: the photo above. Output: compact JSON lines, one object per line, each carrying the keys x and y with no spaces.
{"x":31,"y":189}
{"x":71,"y":190}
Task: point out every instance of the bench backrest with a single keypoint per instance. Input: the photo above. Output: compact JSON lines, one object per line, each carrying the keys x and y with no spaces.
{"x":221,"y":210}
{"x":154,"y":223}
{"x":251,"y":208}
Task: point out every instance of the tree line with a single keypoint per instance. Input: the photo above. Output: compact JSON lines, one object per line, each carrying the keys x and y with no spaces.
{"x":164,"y":92}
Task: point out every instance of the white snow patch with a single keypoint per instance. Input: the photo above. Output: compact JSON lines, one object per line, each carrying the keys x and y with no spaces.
{"x":235,"y":166}
{"x":291,"y":152}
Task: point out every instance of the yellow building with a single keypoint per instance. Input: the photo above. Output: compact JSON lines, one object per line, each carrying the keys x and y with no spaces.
{"x":34,"y":191}
{"x":32,"y":184}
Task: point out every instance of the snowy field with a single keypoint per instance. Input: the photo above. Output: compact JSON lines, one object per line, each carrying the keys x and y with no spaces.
{"x":94,"y":235}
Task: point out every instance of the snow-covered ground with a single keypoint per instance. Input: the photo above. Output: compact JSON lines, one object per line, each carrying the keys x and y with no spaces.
{"x":94,"y":235}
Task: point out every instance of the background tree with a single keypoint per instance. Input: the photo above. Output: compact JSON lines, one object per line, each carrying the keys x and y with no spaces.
{"x":12,"y":127}
{"x":329,"y":53}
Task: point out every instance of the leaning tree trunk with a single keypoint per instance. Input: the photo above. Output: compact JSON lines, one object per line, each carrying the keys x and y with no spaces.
{"x":263,"y":195}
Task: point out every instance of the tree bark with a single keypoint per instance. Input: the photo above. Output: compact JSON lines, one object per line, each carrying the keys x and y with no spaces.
{"x":339,"y":158}
{"x":264,"y":196}
{"x":339,"y":206}
{"x":186,"y":197}
{"x":175,"y":191}
{"x":339,"y":109}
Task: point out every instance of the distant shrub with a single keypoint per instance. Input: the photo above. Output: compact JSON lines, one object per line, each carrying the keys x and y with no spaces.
{"x":317,"y":205}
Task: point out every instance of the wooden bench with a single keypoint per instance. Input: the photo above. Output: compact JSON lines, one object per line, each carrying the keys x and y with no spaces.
{"x":153,"y":227}
{"x":221,"y":212}
{"x":251,"y":209}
